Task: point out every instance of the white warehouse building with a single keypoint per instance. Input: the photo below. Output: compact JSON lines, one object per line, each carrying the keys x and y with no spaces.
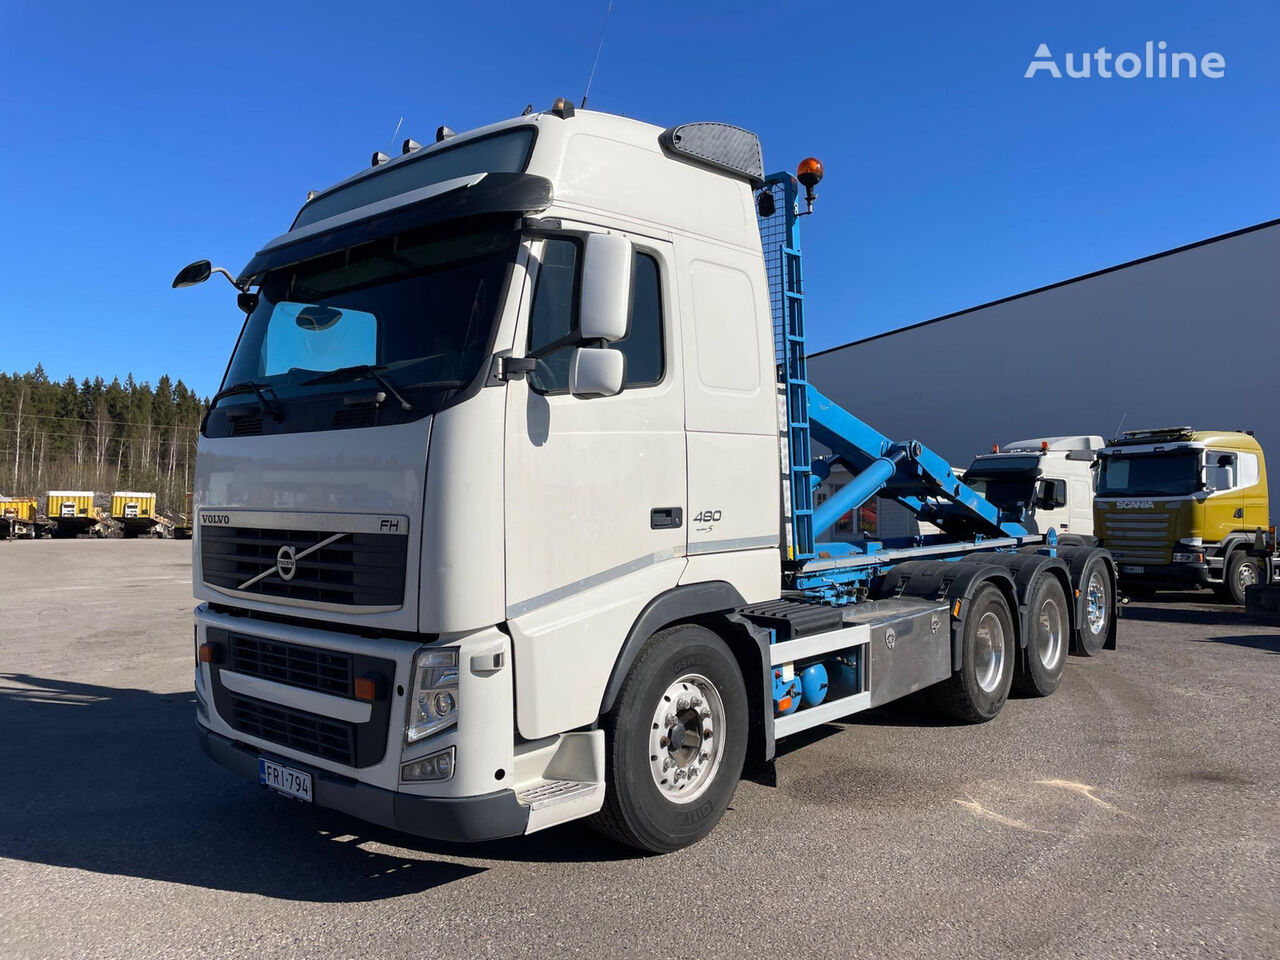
{"x":1186,"y":337}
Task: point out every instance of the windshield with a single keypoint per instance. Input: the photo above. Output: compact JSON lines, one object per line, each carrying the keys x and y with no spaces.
{"x":1008,"y":492}
{"x":418,"y":307}
{"x":1150,"y":474}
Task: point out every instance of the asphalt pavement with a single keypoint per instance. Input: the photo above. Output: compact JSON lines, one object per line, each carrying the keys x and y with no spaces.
{"x":1132,"y":814}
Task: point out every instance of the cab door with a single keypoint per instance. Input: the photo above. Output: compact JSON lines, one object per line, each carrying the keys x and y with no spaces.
{"x":595,"y":488}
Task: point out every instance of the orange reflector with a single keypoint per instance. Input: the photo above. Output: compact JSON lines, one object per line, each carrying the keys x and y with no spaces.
{"x":366,"y":688}
{"x":784,"y":703}
{"x":955,"y":611}
{"x":1077,"y":592}
{"x":206,"y":653}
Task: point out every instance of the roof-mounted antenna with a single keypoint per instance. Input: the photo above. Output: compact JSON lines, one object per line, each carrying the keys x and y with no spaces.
{"x":1116,"y":435}
{"x":596,"y":61}
{"x":391,"y":146}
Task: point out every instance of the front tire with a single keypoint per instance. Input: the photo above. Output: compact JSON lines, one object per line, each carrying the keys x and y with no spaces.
{"x":978,"y":690}
{"x":675,"y":742}
{"x":1242,"y":570}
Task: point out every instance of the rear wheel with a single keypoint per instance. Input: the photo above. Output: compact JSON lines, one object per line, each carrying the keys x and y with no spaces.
{"x":675,"y":742}
{"x":1243,"y":570}
{"x":1098,"y":592}
{"x":1048,"y":635}
{"x":978,"y":690}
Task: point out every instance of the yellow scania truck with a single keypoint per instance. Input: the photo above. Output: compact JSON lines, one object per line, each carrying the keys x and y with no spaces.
{"x":1184,"y":507}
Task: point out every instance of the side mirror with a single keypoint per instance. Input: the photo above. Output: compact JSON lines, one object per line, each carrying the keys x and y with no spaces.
{"x":596,"y":372}
{"x":606,"y":288}
{"x":193,"y":273}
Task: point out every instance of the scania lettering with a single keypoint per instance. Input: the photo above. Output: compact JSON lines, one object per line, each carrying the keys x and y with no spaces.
{"x":565,"y":353}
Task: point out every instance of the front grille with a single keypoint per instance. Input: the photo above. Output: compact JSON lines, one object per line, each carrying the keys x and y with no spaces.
{"x":327,"y":671}
{"x":306,"y":732}
{"x":1137,"y":537}
{"x":356,"y":569}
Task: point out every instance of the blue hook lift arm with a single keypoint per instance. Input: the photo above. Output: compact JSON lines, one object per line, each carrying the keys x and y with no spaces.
{"x":909,"y":472}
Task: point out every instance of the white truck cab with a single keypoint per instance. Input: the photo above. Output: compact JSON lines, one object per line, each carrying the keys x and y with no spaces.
{"x":503,"y":510}
{"x":1047,"y":481}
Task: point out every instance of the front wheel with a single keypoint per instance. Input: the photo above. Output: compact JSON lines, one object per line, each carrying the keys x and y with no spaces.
{"x":1243,"y":570}
{"x":675,"y":740}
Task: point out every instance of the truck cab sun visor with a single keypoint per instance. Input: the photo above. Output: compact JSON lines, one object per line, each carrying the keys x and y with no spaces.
{"x":475,"y":195}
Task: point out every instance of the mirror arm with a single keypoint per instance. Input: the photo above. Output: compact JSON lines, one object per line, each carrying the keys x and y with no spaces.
{"x":230,"y":279}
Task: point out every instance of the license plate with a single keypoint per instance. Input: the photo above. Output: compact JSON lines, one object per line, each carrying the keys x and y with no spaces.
{"x":1132,"y":569}
{"x":286,"y":780}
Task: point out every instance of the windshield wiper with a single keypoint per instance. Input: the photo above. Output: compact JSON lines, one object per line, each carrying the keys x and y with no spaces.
{"x":258,"y":390}
{"x":357,"y":372}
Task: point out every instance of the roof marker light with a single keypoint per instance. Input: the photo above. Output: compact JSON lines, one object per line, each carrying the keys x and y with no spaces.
{"x":444,"y":133}
{"x":410,"y":146}
{"x":562,"y":108}
{"x":379,"y":158}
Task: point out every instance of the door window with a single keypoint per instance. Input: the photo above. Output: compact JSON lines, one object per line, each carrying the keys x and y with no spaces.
{"x":553,"y":320}
{"x":1222,"y":470}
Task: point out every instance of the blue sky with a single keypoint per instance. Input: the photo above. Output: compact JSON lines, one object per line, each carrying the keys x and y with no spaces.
{"x":137,"y":137}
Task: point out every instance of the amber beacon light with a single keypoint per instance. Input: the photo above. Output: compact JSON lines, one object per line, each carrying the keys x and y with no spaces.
{"x":809,"y":173}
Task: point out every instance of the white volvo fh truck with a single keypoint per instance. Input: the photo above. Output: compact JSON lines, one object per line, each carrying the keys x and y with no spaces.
{"x":505,"y":515}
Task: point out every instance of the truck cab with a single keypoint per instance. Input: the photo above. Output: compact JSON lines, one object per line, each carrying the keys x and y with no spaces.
{"x":1046,"y":483}
{"x":1184,"y":507}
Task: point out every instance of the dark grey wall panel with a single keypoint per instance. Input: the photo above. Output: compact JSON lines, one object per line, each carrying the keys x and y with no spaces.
{"x":1188,"y":338}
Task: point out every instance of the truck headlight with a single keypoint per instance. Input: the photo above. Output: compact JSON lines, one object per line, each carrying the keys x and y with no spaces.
{"x":1189,"y":550}
{"x":433,"y":698}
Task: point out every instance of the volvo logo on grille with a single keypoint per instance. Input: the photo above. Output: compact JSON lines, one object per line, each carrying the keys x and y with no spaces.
{"x":287,"y":558}
{"x":287,"y":562}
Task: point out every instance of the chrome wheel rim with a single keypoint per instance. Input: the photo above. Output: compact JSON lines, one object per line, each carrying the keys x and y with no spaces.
{"x":686,"y":738}
{"x":1246,"y":576}
{"x":1096,"y":603}
{"x":988,"y":652}
{"x":1050,"y":633}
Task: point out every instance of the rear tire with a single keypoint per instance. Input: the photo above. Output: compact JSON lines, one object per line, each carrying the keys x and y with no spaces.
{"x":668,"y":782}
{"x":978,"y":690}
{"x":1098,"y":591}
{"x":1048,"y":637}
{"x":1242,"y":570}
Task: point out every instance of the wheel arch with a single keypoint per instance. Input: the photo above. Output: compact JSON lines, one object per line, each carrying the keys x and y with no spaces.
{"x":1026,"y":569}
{"x":684,"y":603}
{"x":711,"y":605}
{"x":953,"y":581}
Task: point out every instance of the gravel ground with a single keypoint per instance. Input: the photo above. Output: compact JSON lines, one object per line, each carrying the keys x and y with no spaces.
{"x":1134,"y":813}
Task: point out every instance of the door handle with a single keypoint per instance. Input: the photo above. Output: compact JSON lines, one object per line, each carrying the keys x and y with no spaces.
{"x":666,"y":518}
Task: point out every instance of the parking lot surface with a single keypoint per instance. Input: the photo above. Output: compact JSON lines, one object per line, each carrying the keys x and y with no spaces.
{"x":1134,"y":813}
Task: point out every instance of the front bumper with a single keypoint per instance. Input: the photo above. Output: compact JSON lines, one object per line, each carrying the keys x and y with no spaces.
{"x":1170,"y":574}
{"x":487,"y":816}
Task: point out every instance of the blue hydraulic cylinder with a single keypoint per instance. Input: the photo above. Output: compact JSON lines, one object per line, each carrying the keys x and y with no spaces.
{"x":856,"y":492}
